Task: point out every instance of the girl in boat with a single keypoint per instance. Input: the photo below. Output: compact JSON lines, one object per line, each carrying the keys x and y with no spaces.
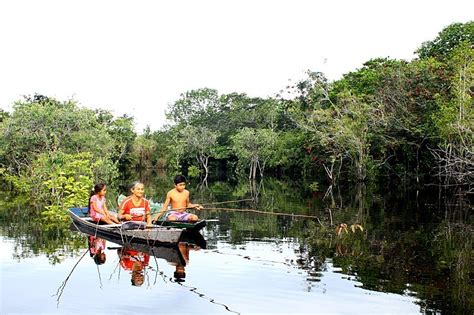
{"x":97,"y":206}
{"x":135,"y":207}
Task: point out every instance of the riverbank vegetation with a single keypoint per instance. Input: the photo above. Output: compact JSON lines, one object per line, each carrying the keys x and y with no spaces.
{"x":393,"y":119}
{"x":390,"y":124}
{"x":396,"y":120}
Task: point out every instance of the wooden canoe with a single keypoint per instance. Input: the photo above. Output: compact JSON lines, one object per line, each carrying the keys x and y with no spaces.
{"x":127,"y":232}
{"x":190,"y":226}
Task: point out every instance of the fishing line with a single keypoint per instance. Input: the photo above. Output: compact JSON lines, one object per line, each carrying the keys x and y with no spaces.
{"x":157,"y":268}
{"x":61,"y":288}
{"x":115,"y":269}
{"x":100,"y":278}
{"x":202,"y":295}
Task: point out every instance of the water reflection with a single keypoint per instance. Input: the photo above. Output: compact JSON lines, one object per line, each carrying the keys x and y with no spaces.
{"x":135,"y":262}
{"x":134,"y":258}
{"x":413,"y":243}
{"x":97,"y":249}
{"x":184,"y":248}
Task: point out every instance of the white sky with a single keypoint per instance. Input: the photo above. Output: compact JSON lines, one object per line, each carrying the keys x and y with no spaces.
{"x":136,"y":57}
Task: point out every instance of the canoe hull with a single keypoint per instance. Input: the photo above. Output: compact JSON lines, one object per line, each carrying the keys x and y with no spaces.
{"x":157,"y":235}
{"x":190,"y":226}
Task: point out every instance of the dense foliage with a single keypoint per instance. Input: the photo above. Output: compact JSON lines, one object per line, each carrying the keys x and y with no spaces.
{"x":55,"y":151}
{"x":403,"y":120}
{"x":390,"y":119}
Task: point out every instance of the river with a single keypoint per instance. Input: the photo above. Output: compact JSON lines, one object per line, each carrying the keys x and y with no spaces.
{"x":351,"y":250}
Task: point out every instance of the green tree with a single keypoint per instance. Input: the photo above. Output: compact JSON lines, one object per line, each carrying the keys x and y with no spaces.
{"x":40,"y":124}
{"x":174,"y":147}
{"x":455,"y":121}
{"x":193,"y":106}
{"x":57,"y":181}
{"x":201,"y":142}
{"x":143,"y":149}
{"x":3,"y":115}
{"x":339,"y":131}
{"x":254,"y":147}
{"x":122,"y":132}
{"x":447,"y":40}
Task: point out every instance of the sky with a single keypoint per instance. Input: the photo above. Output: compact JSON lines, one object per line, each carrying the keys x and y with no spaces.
{"x":137,"y":57}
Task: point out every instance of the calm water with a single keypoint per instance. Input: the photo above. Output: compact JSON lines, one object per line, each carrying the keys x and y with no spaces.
{"x":413,"y":256}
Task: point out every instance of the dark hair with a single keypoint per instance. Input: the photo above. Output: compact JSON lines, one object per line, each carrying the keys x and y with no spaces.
{"x":179,"y":273}
{"x":97,"y":188}
{"x":99,"y":258}
{"x":179,"y":179}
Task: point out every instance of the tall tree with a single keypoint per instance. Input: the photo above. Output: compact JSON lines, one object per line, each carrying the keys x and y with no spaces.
{"x":193,"y":106}
{"x":447,"y":40}
{"x":254,"y":147}
{"x":455,"y":121}
{"x":41,"y":124}
{"x":200,"y":141}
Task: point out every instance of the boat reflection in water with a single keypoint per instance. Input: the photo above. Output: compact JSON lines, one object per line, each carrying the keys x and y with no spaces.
{"x":135,"y":258}
{"x":134,"y":261}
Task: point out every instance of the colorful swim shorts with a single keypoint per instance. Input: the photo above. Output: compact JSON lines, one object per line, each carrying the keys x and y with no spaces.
{"x":180,"y":216}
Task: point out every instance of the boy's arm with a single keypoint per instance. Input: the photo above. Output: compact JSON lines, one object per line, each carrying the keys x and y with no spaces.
{"x":193,"y":205}
{"x":196,"y":206}
{"x":164,"y":208}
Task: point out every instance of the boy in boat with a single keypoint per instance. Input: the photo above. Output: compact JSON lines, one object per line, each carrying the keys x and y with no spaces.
{"x":135,"y":207}
{"x":178,"y":198}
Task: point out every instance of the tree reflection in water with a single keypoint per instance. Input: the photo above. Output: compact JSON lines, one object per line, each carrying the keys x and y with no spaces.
{"x":415,"y":243}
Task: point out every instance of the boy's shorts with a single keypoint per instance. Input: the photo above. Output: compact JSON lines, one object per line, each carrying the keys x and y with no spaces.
{"x":180,"y":216}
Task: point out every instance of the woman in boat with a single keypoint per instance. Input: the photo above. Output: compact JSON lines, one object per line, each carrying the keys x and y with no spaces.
{"x":135,"y":207}
{"x":97,"y":205}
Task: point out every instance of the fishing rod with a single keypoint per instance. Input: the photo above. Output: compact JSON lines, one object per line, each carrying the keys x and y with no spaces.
{"x":266,"y":212}
{"x":229,"y":201}
{"x":210,"y":204}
